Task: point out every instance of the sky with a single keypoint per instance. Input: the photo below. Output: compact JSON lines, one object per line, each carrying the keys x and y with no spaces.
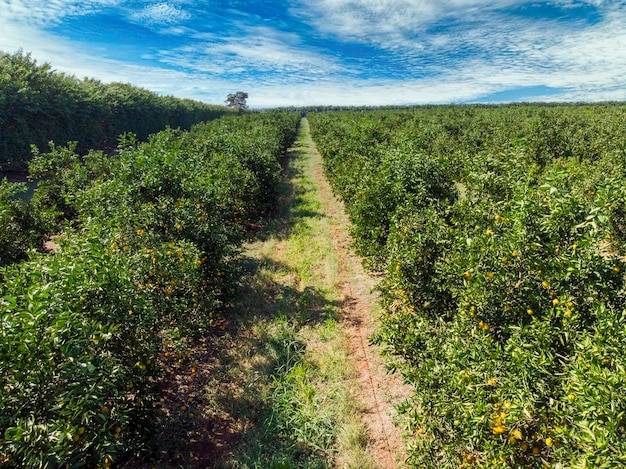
{"x":333,"y":52}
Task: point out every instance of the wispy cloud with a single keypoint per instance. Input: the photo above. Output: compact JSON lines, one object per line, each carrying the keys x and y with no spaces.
{"x":583,"y":59}
{"x":160,"y":14}
{"x":382,"y":22}
{"x":43,"y":13}
{"x":485,"y":46}
{"x":255,"y":50}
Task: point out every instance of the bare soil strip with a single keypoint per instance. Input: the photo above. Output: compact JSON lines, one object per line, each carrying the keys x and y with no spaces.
{"x":378,"y":391}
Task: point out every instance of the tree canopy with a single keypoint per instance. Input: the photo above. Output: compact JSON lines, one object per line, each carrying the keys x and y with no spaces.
{"x":237,"y":100}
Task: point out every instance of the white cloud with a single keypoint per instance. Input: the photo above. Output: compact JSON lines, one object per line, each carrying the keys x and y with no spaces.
{"x":160,"y":14}
{"x":258,"y":50}
{"x":585,"y":60}
{"x":484,"y":49}
{"x":263,"y":49}
{"x":64,"y":55}
{"x":47,"y":12}
{"x":578,"y":63}
{"x":379,"y":21}
{"x":407,"y":25}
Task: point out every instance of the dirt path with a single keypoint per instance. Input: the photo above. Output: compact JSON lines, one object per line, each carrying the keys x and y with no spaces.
{"x":294,"y":348}
{"x":378,"y":391}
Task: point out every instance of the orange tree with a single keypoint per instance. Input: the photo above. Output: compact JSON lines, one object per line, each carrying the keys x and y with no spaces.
{"x":22,"y":228}
{"x":38,"y":104}
{"x":145,"y":263}
{"x":503,"y":294}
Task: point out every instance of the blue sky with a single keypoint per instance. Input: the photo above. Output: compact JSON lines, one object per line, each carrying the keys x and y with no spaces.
{"x":335,"y":52}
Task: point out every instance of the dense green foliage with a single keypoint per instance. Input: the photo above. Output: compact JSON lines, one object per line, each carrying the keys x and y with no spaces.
{"x":38,"y":105}
{"x":501,"y":233}
{"x":144,"y":266}
{"x":22,"y":229}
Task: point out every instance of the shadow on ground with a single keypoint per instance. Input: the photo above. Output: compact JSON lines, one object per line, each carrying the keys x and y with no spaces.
{"x":291,"y":208}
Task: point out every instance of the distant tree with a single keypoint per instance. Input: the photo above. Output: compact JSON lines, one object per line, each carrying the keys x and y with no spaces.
{"x":237,"y":100}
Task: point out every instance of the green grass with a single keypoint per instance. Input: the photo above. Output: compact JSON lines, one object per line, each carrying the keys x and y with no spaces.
{"x":296,"y":370}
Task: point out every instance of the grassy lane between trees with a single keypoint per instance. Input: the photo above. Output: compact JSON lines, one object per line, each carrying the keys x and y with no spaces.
{"x":294,"y":404}
{"x":281,"y":389}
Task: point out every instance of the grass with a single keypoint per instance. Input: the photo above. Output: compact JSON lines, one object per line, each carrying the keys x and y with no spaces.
{"x":294,"y":370}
